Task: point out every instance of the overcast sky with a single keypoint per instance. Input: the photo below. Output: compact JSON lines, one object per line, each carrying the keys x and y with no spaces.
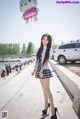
{"x":62,"y":21}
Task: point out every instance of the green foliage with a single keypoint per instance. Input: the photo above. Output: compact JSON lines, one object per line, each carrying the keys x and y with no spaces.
{"x":14,"y":49}
{"x":54,"y":46}
{"x":9,"y":49}
{"x":30,"y":48}
{"x":24,"y":49}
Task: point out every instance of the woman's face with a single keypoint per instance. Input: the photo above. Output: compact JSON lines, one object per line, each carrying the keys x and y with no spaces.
{"x":45,"y":41}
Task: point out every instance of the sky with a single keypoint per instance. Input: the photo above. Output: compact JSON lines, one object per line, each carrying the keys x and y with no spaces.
{"x":61,"y":21}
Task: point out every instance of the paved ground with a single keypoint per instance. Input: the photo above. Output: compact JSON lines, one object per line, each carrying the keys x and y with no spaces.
{"x":22,"y":97}
{"x":74,"y":67}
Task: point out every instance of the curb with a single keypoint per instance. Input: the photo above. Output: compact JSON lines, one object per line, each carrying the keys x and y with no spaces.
{"x":71,"y":83}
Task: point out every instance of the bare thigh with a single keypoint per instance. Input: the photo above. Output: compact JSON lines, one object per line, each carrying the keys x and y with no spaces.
{"x":45,"y":83}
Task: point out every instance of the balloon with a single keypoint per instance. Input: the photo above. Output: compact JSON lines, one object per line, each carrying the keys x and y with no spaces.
{"x":29,"y":9}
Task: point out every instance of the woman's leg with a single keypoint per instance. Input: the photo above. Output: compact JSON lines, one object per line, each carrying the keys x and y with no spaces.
{"x":44,"y":93}
{"x":46,"y":84}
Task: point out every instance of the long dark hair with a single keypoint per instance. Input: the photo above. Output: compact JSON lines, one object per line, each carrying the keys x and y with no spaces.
{"x":48,"y":47}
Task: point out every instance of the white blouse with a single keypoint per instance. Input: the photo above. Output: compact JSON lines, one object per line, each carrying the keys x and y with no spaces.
{"x":46,"y":65}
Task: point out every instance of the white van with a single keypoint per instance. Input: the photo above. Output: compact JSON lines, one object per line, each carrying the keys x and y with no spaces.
{"x":67,"y":52}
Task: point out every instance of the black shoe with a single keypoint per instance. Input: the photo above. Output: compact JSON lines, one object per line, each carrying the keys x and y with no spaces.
{"x":55,"y":116}
{"x":45,"y":110}
{"x":56,"y":110}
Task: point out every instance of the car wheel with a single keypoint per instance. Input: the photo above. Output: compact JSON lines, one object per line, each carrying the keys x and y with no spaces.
{"x":73,"y":62}
{"x":62,"y":60}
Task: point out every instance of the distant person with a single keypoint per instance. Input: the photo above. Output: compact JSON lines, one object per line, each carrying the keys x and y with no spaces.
{"x":43,"y":73}
{"x":20,"y":66}
{"x":16,"y":67}
{"x":7,"y":69}
{"x":3,"y":73}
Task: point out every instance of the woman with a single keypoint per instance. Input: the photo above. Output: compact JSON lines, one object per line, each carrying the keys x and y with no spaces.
{"x":42,"y":71}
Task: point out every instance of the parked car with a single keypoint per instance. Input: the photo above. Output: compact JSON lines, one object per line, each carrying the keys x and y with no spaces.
{"x":67,"y":52}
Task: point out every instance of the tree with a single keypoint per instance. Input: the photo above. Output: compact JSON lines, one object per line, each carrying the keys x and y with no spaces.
{"x":54,"y":46}
{"x":30,"y":48}
{"x":24,"y":49}
{"x":16,"y":49}
{"x":9,"y":49}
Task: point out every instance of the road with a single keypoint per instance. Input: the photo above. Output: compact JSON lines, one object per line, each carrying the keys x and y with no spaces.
{"x":21,"y":96}
{"x":74,"y":67}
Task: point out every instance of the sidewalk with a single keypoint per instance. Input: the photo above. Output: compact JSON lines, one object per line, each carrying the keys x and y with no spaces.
{"x":23,"y":98}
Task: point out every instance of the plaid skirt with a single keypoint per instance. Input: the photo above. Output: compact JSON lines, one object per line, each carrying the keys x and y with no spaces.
{"x":46,"y":74}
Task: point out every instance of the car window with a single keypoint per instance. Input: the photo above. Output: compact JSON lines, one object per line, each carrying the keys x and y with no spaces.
{"x":77,"y":45}
{"x":67,"y":46}
{"x":71,"y":45}
{"x":63,"y":47}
